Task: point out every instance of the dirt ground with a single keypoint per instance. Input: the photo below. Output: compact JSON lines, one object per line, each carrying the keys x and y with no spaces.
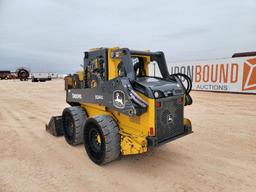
{"x":219,"y":156}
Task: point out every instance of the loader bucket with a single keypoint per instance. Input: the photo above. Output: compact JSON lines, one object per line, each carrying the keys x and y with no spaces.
{"x":55,"y":126}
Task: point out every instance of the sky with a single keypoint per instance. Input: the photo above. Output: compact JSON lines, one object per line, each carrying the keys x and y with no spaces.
{"x":51,"y":35}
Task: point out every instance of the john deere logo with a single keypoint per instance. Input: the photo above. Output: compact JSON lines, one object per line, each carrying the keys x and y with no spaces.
{"x":249,"y":75}
{"x":169,"y":118}
{"x":119,"y":99}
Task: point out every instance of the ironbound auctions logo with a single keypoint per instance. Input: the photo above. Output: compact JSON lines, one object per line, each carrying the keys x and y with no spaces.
{"x":249,"y":75}
{"x":232,"y":74}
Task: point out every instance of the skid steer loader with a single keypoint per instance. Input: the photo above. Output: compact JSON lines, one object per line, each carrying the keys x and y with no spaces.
{"x":118,"y":107}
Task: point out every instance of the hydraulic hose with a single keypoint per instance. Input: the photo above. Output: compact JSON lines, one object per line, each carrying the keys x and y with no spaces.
{"x":188,"y":80}
{"x":188,"y":99}
{"x":137,"y":99}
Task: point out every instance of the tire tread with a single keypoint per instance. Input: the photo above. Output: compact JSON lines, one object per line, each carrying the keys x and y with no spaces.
{"x":112,"y":137}
{"x":79,"y":116}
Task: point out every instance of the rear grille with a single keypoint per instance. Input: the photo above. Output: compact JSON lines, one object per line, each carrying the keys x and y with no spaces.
{"x":169,"y":118}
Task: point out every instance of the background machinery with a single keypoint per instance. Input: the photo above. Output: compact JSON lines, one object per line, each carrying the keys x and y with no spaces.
{"x":40,"y":76}
{"x":5,"y":74}
{"x":118,"y":108}
{"x":22,"y":74}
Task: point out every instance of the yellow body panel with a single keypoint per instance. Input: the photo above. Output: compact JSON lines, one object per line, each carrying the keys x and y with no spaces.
{"x":68,"y":82}
{"x":112,"y":65}
{"x":187,"y":122}
{"x":81,"y":75}
{"x":94,"y":109}
{"x":133,"y":130}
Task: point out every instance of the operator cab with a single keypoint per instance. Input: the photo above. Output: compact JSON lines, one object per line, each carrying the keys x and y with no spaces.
{"x":146,"y":71}
{"x":149,"y":78}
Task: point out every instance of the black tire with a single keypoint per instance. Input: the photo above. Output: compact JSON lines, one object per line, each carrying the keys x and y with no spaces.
{"x":22,"y":74}
{"x":108,"y":149}
{"x":73,"y":123}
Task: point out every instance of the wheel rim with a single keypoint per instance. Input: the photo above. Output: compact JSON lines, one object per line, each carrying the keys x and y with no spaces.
{"x":94,"y":142}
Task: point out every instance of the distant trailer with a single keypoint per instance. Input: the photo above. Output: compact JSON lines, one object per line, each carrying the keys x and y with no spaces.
{"x":53,"y":75}
{"x":40,"y":77}
{"x":5,"y":74}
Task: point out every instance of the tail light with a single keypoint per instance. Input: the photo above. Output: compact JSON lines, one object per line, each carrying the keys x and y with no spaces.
{"x":158,"y":104}
{"x":151,"y":131}
{"x":180,"y":100}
